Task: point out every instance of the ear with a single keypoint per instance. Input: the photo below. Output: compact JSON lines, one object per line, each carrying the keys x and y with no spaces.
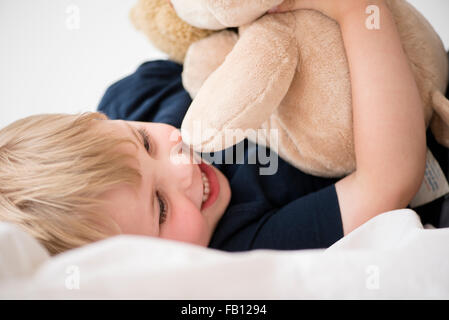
{"x":440,"y":120}
{"x":158,"y":21}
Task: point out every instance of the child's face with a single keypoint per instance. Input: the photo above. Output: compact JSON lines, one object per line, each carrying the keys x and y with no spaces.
{"x":176,"y":188}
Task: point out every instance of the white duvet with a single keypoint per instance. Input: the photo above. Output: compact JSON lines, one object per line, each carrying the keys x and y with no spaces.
{"x":390,"y":257}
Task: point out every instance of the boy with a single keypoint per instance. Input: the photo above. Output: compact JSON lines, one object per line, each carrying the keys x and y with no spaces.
{"x":136,"y":189}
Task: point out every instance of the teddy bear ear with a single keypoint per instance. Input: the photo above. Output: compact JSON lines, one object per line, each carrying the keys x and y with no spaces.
{"x":135,"y":17}
{"x":158,"y":21}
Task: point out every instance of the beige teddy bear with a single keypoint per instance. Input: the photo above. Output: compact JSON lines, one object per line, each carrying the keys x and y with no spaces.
{"x":166,"y":31}
{"x":289,"y":72}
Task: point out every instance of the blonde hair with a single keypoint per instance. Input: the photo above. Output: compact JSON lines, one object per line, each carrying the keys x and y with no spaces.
{"x":53,"y":168}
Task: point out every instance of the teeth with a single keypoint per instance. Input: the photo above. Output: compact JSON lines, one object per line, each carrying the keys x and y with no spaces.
{"x":206,"y":187}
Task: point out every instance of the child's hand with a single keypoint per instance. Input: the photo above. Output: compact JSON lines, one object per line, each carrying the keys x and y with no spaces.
{"x":335,"y":9}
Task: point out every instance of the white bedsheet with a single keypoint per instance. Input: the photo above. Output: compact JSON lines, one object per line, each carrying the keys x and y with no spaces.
{"x":390,"y":257}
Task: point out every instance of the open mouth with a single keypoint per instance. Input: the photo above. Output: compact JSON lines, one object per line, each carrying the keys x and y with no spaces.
{"x":211,"y":186}
{"x":206,"y":187}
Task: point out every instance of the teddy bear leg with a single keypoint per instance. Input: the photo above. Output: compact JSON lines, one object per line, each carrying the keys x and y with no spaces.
{"x":440,"y":121}
{"x":246,"y":88}
{"x":204,"y":57}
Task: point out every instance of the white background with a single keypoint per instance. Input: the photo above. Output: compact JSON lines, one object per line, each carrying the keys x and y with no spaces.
{"x":46,"y":66}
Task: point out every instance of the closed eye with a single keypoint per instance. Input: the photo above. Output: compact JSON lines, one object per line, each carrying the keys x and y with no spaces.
{"x":162,"y":208}
{"x":146,"y":140}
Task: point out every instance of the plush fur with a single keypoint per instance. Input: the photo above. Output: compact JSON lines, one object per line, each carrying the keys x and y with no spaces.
{"x":166,"y":31}
{"x":289,"y":72}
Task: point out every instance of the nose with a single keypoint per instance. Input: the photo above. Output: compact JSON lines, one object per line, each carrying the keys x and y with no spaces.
{"x":181,"y":169}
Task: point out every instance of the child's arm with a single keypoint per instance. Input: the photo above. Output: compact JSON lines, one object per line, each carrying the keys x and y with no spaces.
{"x":389,"y":128}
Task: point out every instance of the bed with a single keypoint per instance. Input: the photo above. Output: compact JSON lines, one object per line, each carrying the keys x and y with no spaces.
{"x":392,"y":256}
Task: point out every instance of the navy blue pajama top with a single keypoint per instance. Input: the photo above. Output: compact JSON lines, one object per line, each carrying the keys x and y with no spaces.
{"x":287,"y":210}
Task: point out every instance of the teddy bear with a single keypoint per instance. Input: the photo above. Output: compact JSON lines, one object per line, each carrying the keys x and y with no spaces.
{"x":288,"y":73}
{"x":158,"y":21}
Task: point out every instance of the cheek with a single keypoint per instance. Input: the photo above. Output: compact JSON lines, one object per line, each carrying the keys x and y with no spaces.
{"x":186,"y":224}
